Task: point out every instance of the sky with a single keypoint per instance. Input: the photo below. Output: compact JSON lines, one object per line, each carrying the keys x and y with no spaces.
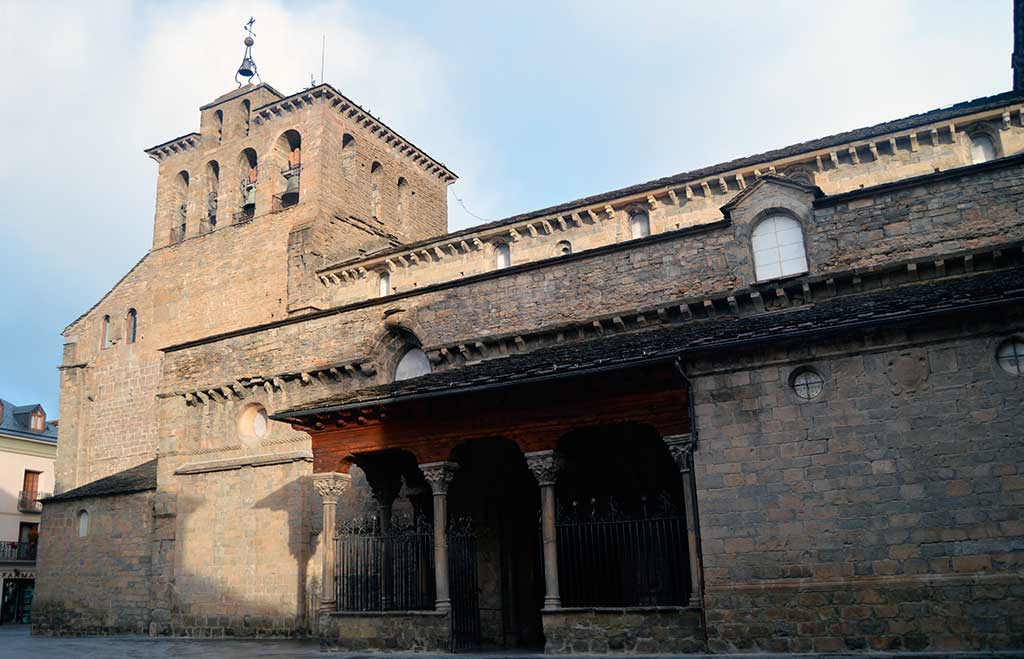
{"x":531,"y":103}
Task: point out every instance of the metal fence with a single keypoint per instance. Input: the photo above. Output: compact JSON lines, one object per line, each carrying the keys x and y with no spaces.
{"x":613,"y":552}
{"x":391,"y":570}
{"x":28,"y":501}
{"x":463,"y":582}
{"x":17,"y":551}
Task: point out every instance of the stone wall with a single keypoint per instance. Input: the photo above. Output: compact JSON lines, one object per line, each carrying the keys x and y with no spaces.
{"x":648,"y":630}
{"x":100,"y":583}
{"x":885,"y":514}
{"x":402,"y":631}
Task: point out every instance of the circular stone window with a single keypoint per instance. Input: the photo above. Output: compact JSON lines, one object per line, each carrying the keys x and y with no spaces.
{"x":253,"y":422}
{"x":807,"y":383}
{"x":1010,"y":355}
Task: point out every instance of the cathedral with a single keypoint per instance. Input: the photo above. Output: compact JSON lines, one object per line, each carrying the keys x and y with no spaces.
{"x":772,"y":404}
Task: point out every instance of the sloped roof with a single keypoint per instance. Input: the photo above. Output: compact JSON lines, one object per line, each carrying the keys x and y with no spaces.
{"x":662,"y":343}
{"x":137,"y":479}
{"x":17,"y":419}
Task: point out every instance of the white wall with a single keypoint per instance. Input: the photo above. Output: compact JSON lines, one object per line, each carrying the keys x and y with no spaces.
{"x":17,"y":455}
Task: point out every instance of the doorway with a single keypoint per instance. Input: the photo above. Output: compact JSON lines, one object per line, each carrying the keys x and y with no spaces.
{"x":495,"y":492}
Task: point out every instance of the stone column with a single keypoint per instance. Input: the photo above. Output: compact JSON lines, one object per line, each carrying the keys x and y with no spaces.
{"x":681,"y":448}
{"x":330,"y":486}
{"x":545,"y":466}
{"x":439,"y":475}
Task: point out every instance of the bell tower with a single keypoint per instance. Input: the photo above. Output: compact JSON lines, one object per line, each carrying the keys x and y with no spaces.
{"x":312,"y":178}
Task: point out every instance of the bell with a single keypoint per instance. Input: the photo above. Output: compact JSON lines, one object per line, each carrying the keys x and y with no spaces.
{"x":290,"y":196}
{"x":250,"y":200}
{"x":248,"y":67}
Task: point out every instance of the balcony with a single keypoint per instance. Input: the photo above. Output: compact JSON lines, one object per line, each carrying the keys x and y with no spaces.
{"x":17,"y":551}
{"x":243,"y":216}
{"x":28,"y":502}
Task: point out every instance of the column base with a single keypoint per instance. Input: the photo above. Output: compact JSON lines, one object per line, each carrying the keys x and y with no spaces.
{"x":552,"y":603}
{"x":443,"y":606}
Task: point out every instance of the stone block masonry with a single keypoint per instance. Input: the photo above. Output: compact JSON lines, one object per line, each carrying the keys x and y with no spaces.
{"x":884,"y":514}
{"x":646,"y":630}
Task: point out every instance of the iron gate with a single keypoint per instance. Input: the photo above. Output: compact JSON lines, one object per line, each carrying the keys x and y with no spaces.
{"x":390,"y":570}
{"x":622,"y":553}
{"x":462,"y":577}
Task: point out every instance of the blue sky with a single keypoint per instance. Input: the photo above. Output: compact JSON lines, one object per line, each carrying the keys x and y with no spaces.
{"x":531,"y":103}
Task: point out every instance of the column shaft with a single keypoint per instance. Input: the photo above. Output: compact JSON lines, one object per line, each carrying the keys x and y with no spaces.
{"x":552,"y":600}
{"x":442,"y":598}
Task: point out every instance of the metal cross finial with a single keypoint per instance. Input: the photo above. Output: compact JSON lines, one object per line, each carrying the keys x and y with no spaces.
{"x":248,"y":26}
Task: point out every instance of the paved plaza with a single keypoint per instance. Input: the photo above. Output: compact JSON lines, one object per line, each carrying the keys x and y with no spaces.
{"x":17,"y":643}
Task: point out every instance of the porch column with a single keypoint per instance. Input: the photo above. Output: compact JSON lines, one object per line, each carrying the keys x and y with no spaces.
{"x":545,"y":466}
{"x":330,"y":486}
{"x":681,"y":448}
{"x":439,"y":475}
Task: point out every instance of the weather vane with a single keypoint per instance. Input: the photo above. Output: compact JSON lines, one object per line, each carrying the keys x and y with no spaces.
{"x":247,"y":69}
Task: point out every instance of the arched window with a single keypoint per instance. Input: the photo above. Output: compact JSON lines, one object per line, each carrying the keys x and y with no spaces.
{"x":384,"y":285}
{"x":376,"y":167}
{"x":413,"y":364}
{"x":218,"y":124}
{"x":246,"y":115}
{"x":778,"y":246}
{"x":288,"y":157}
{"x":639,"y":224}
{"x":348,"y":155}
{"x":180,"y":207}
{"x":83,"y":523}
{"x":105,"y":339}
{"x":502,"y":256}
{"x":249,"y":166}
{"x":131,"y":321}
{"x":212,"y":193}
{"x":564,"y":247}
{"x":983,"y":148}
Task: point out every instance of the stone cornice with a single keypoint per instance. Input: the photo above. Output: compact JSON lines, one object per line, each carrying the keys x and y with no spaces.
{"x":720,"y":189}
{"x":229,"y":464}
{"x":353,"y":112}
{"x":173,"y":147}
{"x":766,"y":296}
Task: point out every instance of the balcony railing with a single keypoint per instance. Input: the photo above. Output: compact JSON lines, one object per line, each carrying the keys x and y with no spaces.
{"x":17,"y":551}
{"x":243,"y":216}
{"x":28,"y":501}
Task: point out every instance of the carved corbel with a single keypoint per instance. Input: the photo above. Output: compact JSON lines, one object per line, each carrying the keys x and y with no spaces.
{"x":673,"y":196}
{"x":609,"y":211}
{"x":652,"y":202}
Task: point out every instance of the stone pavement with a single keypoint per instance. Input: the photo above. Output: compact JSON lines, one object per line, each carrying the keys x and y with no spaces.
{"x":17,"y":643}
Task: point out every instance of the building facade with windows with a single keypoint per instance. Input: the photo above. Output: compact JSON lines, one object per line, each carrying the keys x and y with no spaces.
{"x":770,"y":404}
{"x":28,"y":449}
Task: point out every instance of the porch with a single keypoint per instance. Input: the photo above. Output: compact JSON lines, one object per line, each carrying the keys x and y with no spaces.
{"x":556,"y":515}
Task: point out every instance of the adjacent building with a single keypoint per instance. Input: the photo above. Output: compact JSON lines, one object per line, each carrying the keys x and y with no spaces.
{"x":28,"y":449}
{"x":770,"y":404}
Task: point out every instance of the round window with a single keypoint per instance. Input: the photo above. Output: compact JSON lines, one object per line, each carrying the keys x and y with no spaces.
{"x":1010,"y":355}
{"x":253,"y":422}
{"x":807,"y":384}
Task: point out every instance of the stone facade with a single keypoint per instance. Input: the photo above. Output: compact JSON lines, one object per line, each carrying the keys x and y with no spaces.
{"x":841,"y":523}
{"x":885,"y":514}
{"x":624,"y":631}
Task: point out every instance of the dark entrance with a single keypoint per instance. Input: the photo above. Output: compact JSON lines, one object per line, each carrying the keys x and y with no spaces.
{"x":17,"y":601}
{"x":495,"y":490}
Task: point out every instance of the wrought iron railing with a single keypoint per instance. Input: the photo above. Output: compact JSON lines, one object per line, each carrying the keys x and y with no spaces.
{"x":243,"y":216}
{"x":620,"y":553}
{"x":28,"y":501}
{"x":17,"y":551}
{"x":385,"y":571}
{"x":178,"y":233}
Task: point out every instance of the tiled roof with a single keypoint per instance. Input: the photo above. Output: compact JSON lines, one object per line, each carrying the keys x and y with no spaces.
{"x":137,"y":479}
{"x":16,"y":420}
{"x":833,"y":315}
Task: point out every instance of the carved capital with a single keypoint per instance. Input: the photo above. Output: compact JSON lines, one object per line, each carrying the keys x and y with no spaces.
{"x":545,"y":466}
{"x":679,"y":447}
{"x":439,"y":475}
{"x":330,"y":486}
